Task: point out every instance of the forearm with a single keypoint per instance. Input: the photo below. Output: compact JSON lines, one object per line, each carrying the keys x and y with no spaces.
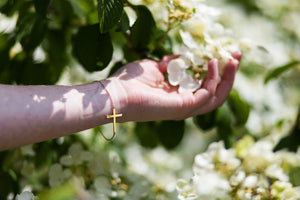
{"x":30,"y":114}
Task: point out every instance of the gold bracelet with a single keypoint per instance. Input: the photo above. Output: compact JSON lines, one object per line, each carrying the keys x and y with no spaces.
{"x":114,"y":115}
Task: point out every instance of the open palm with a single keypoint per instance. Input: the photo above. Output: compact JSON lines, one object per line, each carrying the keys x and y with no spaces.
{"x":149,"y":96}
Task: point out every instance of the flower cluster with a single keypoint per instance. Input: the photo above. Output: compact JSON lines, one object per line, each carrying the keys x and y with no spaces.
{"x":102,"y":174}
{"x":203,"y":39}
{"x":26,"y":195}
{"x":251,"y":170}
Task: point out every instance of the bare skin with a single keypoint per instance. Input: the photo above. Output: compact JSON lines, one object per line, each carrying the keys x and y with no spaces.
{"x":139,"y":91}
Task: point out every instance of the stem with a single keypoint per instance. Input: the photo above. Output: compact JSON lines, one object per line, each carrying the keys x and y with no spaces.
{"x":169,"y":27}
{"x":158,"y":44}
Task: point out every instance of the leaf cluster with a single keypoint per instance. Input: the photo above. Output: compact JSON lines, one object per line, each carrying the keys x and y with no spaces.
{"x":229,"y":120}
{"x":90,"y":32}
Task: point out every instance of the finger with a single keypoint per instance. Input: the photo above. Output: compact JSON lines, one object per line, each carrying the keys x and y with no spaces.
{"x":237,"y":55}
{"x":207,"y":91}
{"x":227,"y":81}
{"x":224,"y":87}
{"x":163,"y":64}
{"x":211,"y":80}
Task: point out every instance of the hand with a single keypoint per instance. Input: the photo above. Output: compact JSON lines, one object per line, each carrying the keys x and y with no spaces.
{"x":147,"y":96}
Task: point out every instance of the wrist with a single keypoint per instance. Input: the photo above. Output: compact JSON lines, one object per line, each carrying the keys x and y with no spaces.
{"x":117,"y":96}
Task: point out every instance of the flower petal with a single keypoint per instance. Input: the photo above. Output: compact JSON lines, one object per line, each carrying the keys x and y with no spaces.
{"x":177,"y":65}
{"x":188,"y":84}
{"x":188,"y":40}
{"x":175,"y":78}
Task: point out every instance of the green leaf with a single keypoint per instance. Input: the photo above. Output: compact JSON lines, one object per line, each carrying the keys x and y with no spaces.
{"x":67,"y":190}
{"x":84,"y":8}
{"x":55,"y":45}
{"x":170,"y":133}
{"x":162,"y":44}
{"x":44,"y":153}
{"x":64,"y":13}
{"x":26,"y":72}
{"x":224,"y":122}
{"x":252,"y":69}
{"x":248,"y":6}
{"x":294,"y":176}
{"x":224,"y":115}
{"x":206,"y":121}
{"x":146,"y":134}
{"x":124,"y":23}
{"x":292,"y":140}
{"x":7,"y":184}
{"x":2,"y":3}
{"x":130,"y":54}
{"x":262,"y":48}
{"x":41,"y":6}
{"x":280,"y":70}
{"x":23,"y":70}
{"x":92,"y":49}
{"x":6,"y":42}
{"x":109,"y":13}
{"x":9,"y":7}
{"x":30,"y":30}
{"x":143,"y":28}
{"x":239,"y":108}
{"x":115,"y":68}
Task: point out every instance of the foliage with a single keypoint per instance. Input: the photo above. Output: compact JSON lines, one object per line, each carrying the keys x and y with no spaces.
{"x":52,"y":36}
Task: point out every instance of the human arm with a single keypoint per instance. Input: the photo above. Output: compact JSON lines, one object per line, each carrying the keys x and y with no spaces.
{"x":30,"y":114}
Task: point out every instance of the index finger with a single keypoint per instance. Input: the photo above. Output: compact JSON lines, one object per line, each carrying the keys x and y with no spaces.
{"x":226,"y":83}
{"x":223,"y":88}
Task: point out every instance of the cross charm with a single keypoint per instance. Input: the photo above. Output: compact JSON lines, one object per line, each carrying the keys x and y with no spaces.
{"x":114,"y":116}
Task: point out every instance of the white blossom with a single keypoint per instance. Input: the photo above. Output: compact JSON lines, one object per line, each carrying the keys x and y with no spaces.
{"x":284,"y":190}
{"x":210,"y":185}
{"x":250,"y":181}
{"x":26,"y":195}
{"x":275,"y":171}
{"x":250,"y":170}
{"x":237,"y":178}
{"x":76,"y":156}
{"x":178,"y":76}
{"x":57,"y":175}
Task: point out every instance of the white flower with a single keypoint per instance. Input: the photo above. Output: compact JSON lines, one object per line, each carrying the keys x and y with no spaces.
{"x":26,"y":195}
{"x":58,"y":175}
{"x":284,"y":190}
{"x":203,"y":38}
{"x":100,"y":164}
{"x":204,"y":20}
{"x":211,"y":185}
{"x":188,"y":40}
{"x":186,"y":191}
{"x":178,"y":76}
{"x":237,"y":178}
{"x":27,"y":150}
{"x":250,"y":181}
{"x":255,"y":160}
{"x":102,"y":185}
{"x":203,"y":162}
{"x":275,"y":171}
{"x":76,"y":156}
{"x":218,"y":153}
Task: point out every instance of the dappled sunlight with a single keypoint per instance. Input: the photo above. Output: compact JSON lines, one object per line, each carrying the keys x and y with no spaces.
{"x":157,"y":54}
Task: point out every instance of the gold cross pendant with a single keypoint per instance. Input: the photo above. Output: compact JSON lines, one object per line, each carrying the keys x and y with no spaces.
{"x":114,"y":116}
